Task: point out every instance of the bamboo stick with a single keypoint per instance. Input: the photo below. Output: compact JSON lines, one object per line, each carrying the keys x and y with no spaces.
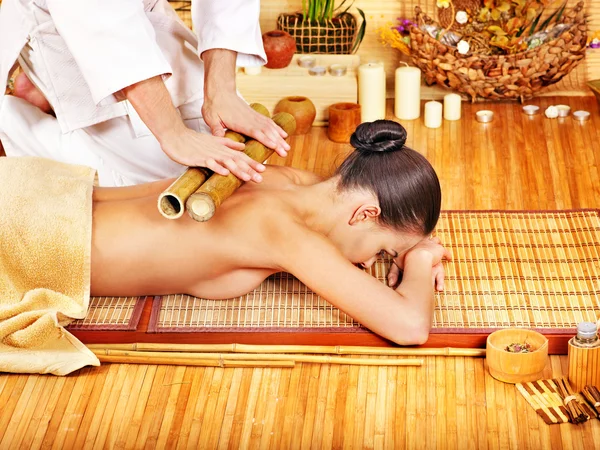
{"x":184,"y":358}
{"x":210,"y":362}
{"x":202,"y":205}
{"x":171,"y":202}
{"x":324,"y":349}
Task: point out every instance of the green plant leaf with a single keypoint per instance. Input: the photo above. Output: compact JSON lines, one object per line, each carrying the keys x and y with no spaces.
{"x":342,"y":4}
{"x":361,"y":31}
{"x":549,"y":19}
{"x":535,"y":22}
{"x":346,"y":10}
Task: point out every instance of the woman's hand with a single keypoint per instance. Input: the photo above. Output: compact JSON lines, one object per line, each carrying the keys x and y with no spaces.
{"x":219,"y":154}
{"x":433,"y":247}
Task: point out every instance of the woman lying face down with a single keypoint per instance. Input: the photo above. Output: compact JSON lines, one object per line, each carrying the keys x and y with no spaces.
{"x":384,"y":197}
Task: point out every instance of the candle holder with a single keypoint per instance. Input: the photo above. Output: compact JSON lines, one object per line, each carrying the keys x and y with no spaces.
{"x":484,"y":116}
{"x":531,"y":110}
{"x":337,"y":70}
{"x":317,"y":71}
{"x":307,"y":61}
{"x":563,"y":110}
{"x":581,"y":116}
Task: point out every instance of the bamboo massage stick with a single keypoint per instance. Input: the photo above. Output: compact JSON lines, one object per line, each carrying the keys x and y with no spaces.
{"x":202,"y":205}
{"x":171,"y":202}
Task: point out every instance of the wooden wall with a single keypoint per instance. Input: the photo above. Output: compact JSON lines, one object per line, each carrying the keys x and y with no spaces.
{"x":383,"y":12}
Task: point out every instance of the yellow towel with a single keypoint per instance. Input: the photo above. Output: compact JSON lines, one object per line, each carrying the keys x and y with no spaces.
{"x":45,"y":247}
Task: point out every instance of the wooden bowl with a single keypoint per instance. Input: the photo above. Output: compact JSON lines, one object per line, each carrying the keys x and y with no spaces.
{"x":516,"y":367}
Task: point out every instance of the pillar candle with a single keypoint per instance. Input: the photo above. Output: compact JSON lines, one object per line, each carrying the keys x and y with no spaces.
{"x":252,"y":70}
{"x":433,"y":114}
{"x":371,"y":91}
{"x":407,"y":101}
{"x":452,"y":106}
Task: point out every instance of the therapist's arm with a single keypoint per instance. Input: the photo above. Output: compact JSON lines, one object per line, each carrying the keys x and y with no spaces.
{"x":224,"y":109}
{"x":152,"y":102}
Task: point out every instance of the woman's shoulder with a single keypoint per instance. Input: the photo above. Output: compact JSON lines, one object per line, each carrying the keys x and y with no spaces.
{"x":291,"y":175}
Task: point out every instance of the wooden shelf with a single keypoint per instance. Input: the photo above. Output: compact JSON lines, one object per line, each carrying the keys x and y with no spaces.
{"x":271,"y":85}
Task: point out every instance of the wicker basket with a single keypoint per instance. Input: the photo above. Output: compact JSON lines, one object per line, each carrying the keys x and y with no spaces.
{"x":516,"y":76}
{"x":334,"y":36}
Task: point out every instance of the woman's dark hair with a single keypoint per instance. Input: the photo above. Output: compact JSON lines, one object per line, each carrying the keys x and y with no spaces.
{"x":404,"y":181}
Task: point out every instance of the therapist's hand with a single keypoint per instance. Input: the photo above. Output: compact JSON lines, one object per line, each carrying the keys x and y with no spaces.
{"x":219,"y":154}
{"x":224,"y":109}
{"x":153,"y":103}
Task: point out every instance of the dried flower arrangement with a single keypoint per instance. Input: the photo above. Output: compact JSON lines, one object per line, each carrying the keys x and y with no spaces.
{"x":494,"y":48}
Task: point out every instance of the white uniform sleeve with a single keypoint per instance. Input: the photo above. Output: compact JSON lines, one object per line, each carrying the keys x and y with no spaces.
{"x":230,"y":24}
{"x":112,"y":42}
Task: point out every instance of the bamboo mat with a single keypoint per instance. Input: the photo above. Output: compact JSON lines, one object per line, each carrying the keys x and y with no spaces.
{"x":111,"y":314}
{"x":538,"y":270}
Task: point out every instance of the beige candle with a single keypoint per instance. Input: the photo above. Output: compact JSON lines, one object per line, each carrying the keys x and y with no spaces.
{"x":371,"y":91}
{"x":407,"y":101}
{"x":433,"y":114}
{"x":452,"y":106}
{"x":254,"y":70}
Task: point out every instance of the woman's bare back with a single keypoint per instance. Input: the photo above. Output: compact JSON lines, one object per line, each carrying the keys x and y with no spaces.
{"x":135,"y":251}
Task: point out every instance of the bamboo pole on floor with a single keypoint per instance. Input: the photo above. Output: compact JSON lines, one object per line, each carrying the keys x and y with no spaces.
{"x":127,"y":356}
{"x":323,"y":349}
{"x":198,"y":362}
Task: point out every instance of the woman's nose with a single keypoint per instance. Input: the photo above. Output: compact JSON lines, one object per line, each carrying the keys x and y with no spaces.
{"x":369,"y":262}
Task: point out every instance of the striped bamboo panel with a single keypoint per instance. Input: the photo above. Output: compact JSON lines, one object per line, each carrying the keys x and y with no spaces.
{"x":543,"y":396}
{"x":111,"y":313}
{"x":524,"y":269}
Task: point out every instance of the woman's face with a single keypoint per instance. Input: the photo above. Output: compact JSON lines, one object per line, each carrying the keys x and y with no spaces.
{"x":364,"y":244}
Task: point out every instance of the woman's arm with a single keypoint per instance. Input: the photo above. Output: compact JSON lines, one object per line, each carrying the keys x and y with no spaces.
{"x":403,"y":315}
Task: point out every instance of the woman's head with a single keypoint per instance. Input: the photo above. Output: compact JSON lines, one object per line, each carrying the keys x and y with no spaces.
{"x":404,"y":182}
{"x":403,"y":185}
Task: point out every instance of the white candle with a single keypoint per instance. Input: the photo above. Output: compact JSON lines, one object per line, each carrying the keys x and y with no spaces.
{"x":433,"y":114}
{"x":371,"y":91}
{"x":254,"y":70}
{"x":407,"y":101}
{"x":452,"y":106}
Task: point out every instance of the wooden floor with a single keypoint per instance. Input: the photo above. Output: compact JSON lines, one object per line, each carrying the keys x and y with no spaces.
{"x":513,"y":163}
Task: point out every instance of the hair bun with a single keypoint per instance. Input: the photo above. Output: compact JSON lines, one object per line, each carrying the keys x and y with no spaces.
{"x":379,"y":136}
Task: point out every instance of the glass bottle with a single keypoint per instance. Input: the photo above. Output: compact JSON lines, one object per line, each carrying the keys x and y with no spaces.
{"x":587,"y":336}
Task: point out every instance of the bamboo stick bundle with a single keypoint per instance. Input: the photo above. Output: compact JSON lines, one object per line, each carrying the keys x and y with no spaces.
{"x":574,"y":405}
{"x":202,"y":205}
{"x":176,"y":357}
{"x":171,"y":202}
{"x":592,"y":395}
{"x":322,"y":349}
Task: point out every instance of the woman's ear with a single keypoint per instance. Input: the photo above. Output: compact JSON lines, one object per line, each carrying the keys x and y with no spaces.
{"x":365,"y":213}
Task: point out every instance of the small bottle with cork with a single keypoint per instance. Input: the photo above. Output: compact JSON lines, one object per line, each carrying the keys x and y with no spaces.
{"x":584,"y":356}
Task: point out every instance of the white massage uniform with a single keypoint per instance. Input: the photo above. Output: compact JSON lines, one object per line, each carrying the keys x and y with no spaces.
{"x":82,"y":53}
